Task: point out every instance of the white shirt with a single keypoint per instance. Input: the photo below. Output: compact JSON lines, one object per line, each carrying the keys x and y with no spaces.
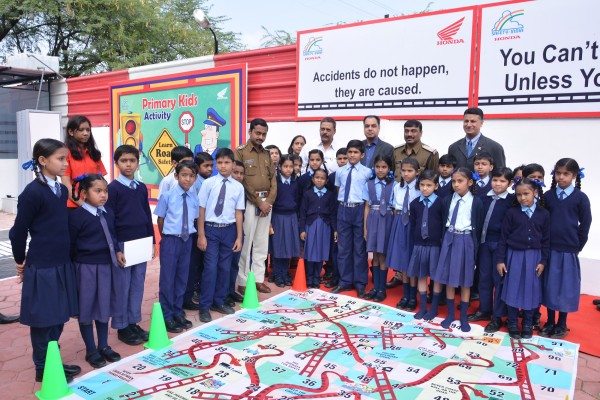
{"x":328,"y":154}
{"x":447,"y":181}
{"x":463,"y":219}
{"x":501,"y":195}
{"x":234,"y":199}
{"x":399,"y":193}
{"x":484,"y":180}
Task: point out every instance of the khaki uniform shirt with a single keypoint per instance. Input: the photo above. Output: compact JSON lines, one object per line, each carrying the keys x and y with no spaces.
{"x":259,"y":173}
{"x":427,"y":157}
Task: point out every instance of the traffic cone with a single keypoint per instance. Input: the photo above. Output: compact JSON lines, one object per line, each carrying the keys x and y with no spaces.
{"x":54,"y":384}
{"x":250,"y":294}
{"x":299,"y":284}
{"x":158,"y":331}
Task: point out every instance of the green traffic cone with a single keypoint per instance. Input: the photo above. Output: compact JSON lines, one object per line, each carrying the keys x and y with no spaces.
{"x":158,"y":338}
{"x":250,"y":295}
{"x":54,"y":384}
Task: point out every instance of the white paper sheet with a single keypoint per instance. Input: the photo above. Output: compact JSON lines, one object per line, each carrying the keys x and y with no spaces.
{"x":137,"y":251}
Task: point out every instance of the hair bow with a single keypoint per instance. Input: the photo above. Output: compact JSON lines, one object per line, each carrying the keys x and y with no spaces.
{"x":516,"y":181}
{"x":29,"y":164}
{"x":538,"y":183}
{"x":390,"y":175}
{"x":580,"y":173}
{"x":80,"y":177}
{"x":475,"y":176}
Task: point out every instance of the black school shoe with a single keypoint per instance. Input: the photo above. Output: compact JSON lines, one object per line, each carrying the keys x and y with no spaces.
{"x":72,"y":369}
{"x":205,"y":316}
{"x":39,"y":376}
{"x":95,"y":359}
{"x":514,"y":332}
{"x":559,"y":332}
{"x":109,"y":354}
{"x":494,"y":325}
{"x":129,"y":336}
{"x":144,"y":335}
{"x":402,"y":303}
{"x":183,"y":322}
{"x":527,"y":332}
{"x":173,"y":326}
{"x":235,"y":296}
{"x":547,"y":330}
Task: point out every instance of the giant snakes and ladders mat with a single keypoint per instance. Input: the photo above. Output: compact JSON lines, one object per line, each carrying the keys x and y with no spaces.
{"x":316,"y":345}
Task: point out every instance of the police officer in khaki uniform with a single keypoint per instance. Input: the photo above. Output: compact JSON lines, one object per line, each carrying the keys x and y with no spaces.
{"x":427,"y":156}
{"x":261,"y":189}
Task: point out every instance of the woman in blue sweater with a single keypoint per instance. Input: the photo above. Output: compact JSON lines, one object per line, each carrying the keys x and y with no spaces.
{"x":49,"y":294}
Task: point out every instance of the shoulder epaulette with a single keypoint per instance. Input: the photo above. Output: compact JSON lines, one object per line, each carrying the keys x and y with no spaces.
{"x":429,"y":148}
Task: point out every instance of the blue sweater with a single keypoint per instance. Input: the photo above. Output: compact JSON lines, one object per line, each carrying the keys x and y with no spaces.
{"x":500,"y":209}
{"x":45,"y":217}
{"x":444,"y":191}
{"x":483,"y":191}
{"x":570,"y":221}
{"x":288,"y":199}
{"x":435,"y":226}
{"x":133,"y":219}
{"x":520,"y":232}
{"x":313,"y":206}
{"x":88,"y":242}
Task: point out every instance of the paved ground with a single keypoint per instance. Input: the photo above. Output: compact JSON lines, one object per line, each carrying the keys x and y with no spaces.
{"x":16,"y":368}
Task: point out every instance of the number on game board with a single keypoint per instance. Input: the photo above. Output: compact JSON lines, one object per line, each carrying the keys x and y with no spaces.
{"x":139,"y":367}
{"x":192,"y":391}
{"x":222,"y":374}
{"x":496,"y":393}
{"x":165,"y":378}
{"x":479,"y":342}
{"x":548,"y":389}
{"x":550,"y":371}
{"x":506,"y":378}
{"x":511,"y":364}
{"x":278,"y":370}
{"x":413,"y":370}
{"x":440,"y":398}
{"x":557,"y":358}
{"x":309,"y":382}
{"x":465,"y":366}
{"x":556,"y":343}
{"x":330,"y":366}
{"x":453,"y":381}
{"x":426,"y":355}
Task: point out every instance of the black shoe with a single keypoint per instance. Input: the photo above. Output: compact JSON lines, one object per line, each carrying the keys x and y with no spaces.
{"x":39,"y":376}
{"x":205,"y":316}
{"x":339,"y":289}
{"x":280,"y":284}
{"x":235,"y":296}
{"x":494,"y":325}
{"x":402,"y":303}
{"x":72,"y":370}
{"x":144,"y":335}
{"x":370,"y":295}
{"x":224,"y":309}
{"x":527,"y":332}
{"x":596,"y":302}
{"x":229,"y":302}
{"x":547,"y":330}
{"x":360,"y":292}
{"x":330,"y":284}
{"x":184,"y":323}
{"x":536,"y":321}
{"x":109,"y":354}
{"x":479,"y":316}
{"x":173,"y":326}
{"x":8,"y":319}
{"x":411,"y":305}
{"x":559,"y":332}
{"x":514,"y":332}
{"x":392,"y":283}
{"x":129,"y":336}
{"x":379,"y":297}
{"x":95,"y":359}
{"x":190,"y":305}
{"x":474,"y":296}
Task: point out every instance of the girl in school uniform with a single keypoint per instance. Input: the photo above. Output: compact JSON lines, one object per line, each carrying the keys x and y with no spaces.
{"x":318,"y":211}
{"x":570,"y":220}
{"x":378,"y":222}
{"x":284,"y":222}
{"x":94,"y":250}
{"x":522,"y":255}
{"x":462,"y":219}
{"x":426,"y":234}
{"x":399,"y":244}
{"x":49,"y":293}
{"x":315,"y":162}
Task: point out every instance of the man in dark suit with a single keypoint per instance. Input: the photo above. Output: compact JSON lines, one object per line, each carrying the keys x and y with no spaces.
{"x":373,"y":145}
{"x":464,"y":150}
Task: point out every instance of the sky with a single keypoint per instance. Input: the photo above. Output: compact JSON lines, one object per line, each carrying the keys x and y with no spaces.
{"x":247,"y":16}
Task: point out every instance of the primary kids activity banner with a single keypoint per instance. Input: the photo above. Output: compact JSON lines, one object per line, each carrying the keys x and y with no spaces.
{"x":318,"y":345}
{"x":203,"y":110}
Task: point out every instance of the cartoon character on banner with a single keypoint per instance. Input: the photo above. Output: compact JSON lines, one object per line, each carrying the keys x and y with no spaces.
{"x":210,"y":135}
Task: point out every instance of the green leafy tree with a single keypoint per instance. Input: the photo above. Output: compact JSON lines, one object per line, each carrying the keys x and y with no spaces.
{"x":279,"y":37}
{"x":101,"y":35}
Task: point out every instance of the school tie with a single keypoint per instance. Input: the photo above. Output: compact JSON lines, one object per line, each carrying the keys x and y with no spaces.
{"x":561,"y":195}
{"x":481,"y":183}
{"x":469,"y":148}
{"x":425,"y":222}
{"x":221,"y":199}
{"x":455,"y":214}
{"x":286,"y":182}
{"x":488,"y":216}
{"x":442,"y":183}
{"x":132,"y":185}
{"x":528,"y":212}
{"x":57,"y":189}
{"x":320,"y":193}
{"x":111,"y":246}
{"x":348,"y":183}
{"x":382,"y":203}
{"x":185,"y":234}
{"x":405,"y":207}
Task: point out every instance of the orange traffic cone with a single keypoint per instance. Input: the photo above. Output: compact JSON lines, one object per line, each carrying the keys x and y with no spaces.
{"x":299,"y":284}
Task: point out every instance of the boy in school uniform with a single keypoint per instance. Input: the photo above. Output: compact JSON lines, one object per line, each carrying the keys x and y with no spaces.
{"x":446,"y":166}
{"x":176,"y":211}
{"x":128,"y":199}
{"x":352,"y":258}
{"x":222,"y":202}
{"x":483,"y":163}
{"x":178,"y":154}
{"x":233,"y":296}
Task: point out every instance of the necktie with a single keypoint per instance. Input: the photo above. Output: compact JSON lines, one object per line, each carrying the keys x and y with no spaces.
{"x":405,"y":207}
{"x":320,"y":193}
{"x":132,"y":185}
{"x":443,"y":183}
{"x":287,"y":182}
{"x":481,"y":183}
{"x":221,"y":199}
{"x":469,"y":148}
{"x":529,"y":212}
{"x":425,"y":223}
{"x":455,"y":214}
{"x":111,"y":246}
{"x":185,"y":234}
{"x":57,"y":189}
{"x":382,"y":203}
{"x":488,"y":216}
{"x":561,"y":195}
{"x":348,"y":183}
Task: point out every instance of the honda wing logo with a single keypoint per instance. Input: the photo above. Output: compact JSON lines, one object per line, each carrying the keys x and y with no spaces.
{"x":446,"y":35}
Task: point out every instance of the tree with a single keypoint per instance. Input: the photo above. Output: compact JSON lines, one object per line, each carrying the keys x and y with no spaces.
{"x":101,"y":35}
{"x":279,"y":37}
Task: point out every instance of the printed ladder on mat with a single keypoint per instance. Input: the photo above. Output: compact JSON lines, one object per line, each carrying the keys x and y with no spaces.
{"x":316,"y":345}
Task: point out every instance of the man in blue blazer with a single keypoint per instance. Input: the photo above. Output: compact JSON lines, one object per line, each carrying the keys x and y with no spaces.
{"x":373,"y":145}
{"x":465,"y":149}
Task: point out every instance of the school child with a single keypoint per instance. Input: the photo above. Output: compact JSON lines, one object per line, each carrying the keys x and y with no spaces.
{"x":570,"y":220}
{"x":297,"y":165}
{"x":95,"y":252}
{"x":400,"y":246}
{"x":176,"y":211}
{"x":317,"y":223}
{"x":483,"y":164}
{"x":378,"y":222}
{"x":352,"y":258}
{"x":315,"y":162}
{"x":426,"y":235}
{"x":522,"y":255}
{"x":178,"y":154}
{"x":222,"y":202}
{"x":495,"y":204}
{"x":284,"y":223}
{"x":462,"y":219}
{"x":49,"y":292}
{"x":446,"y":166}
{"x":128,"y":199}
{"x":517,"y":173}
{"x":234,"y":297}
{"x":275,"y":154}
{"x":205,"y":165}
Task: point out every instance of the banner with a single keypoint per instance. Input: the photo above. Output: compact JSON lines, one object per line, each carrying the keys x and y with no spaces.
{"x":414,"y":66}
{"x":540,"y":59}
{"x":203,"y":110}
